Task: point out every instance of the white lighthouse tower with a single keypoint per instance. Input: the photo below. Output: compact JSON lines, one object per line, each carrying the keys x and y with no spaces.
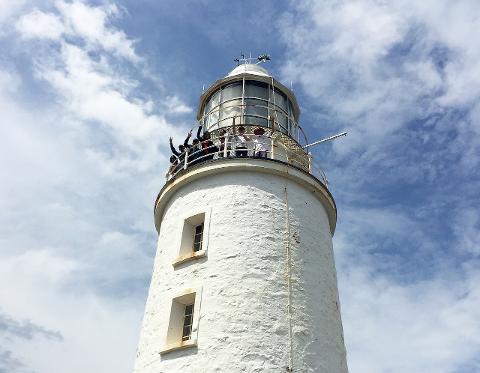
{"x":244,"y":277}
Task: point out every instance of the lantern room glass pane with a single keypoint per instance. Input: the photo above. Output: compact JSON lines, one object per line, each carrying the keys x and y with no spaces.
{"x":256,"y":107}
{"x":211,"y":119}
{"x":281,"y":121}
{"x":281,"y":100}
{"x":256,"y":89}
{"x":232,"y":91}
{"x":256,"y":112}
{"x":212,"y":102}
{"x":229,"y":110}
{"x":256,"y":121}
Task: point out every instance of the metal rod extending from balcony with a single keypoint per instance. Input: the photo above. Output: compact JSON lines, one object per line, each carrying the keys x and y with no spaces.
{"x":324,"y":140}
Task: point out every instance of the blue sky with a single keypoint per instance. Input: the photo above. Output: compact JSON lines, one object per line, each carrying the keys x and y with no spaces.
{"x":91,"y":91}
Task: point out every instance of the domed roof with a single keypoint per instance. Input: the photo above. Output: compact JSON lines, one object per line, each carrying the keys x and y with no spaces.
{"x":249,"y":68}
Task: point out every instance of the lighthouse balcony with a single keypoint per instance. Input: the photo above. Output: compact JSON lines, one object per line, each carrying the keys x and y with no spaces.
{"x":246,"y":141}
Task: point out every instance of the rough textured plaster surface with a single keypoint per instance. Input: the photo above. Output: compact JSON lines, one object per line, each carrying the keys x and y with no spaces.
{"x":243,"y":324}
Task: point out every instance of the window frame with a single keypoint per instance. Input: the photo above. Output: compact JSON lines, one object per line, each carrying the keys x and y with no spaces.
{"x":185,"y":250}
{"x":197,"y":234}
{"x":188,"y":315}
{"x":174,"y":324}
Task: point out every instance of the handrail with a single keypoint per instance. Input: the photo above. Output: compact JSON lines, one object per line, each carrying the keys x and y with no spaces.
{"x":295,"y":129}
{"x":229,"y":142}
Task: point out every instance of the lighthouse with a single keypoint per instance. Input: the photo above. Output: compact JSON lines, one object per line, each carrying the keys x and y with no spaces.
{"x":244,"y":277}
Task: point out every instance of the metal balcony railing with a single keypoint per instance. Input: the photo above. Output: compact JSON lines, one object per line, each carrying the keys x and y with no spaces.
{"x":246,"y":141}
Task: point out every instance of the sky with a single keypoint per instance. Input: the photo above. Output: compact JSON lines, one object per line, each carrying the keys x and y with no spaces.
{"x":90,"y":91}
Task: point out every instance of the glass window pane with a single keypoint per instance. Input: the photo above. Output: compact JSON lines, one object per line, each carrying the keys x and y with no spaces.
{"x":290,"y":109}
{"x":215,"y":100}
{"x":256,"y":89}
{"x":256,"y":107}
{"x":186,"y":334}
{"x":212,"y":102}
{"x":211,"y":119}
{"x":281,"y":122}
{"x":281,"y":100}
{"x":231,"y":109}
{"x":256,"y":121}
{"x":232,"y":91}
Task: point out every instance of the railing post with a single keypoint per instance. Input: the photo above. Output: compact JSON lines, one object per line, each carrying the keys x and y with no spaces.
{"x":233,"y":136}
{"x":272,"y":122}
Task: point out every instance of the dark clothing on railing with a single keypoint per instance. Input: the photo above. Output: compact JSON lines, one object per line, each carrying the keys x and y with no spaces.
{"x":208,"y":147}
{"x":194,"y":151}
{"x":179,"y":155}
{"x":174,"y":151}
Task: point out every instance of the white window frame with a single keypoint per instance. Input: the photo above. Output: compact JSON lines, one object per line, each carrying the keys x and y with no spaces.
{"x":185,"y":236}
{"x":172,"y":340}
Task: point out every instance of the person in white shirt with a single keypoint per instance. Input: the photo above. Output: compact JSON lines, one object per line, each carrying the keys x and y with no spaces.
{"x":262,"y":143}
{"x":241,"y":142}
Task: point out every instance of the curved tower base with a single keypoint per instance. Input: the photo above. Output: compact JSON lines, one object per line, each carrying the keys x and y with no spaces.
{"x":262,"y":284}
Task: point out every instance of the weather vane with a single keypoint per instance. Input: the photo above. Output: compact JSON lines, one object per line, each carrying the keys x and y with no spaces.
{"x":247,"y":60}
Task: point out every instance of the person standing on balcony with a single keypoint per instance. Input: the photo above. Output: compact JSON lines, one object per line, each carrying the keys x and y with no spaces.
{"x":180,"y":154}
{"x":181,"y":149}
{"x":208,"y":147}
{"x":262,"y":143}
{"x":241,"y":143}
{"x":173,"y":167}
{"x":194,"y":150}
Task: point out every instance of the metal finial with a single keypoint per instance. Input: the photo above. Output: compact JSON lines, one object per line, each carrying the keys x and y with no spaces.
{"x":246,"y":60}
{"x":263,"y":58}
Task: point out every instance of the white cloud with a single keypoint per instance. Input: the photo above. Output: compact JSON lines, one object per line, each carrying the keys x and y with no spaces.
{"x":396,"y":318}
{"x":87,"y":144}
{"x":92,"y":91}
{"x":175,"y":106}
{"x":40,"y":25}
{"x":377,"y":66}
{"x":80,"y":20}
{"x":9,"y":8}
{"x":91,"y":23}
{"x":426,"y":327}
{"x":89,"y":325}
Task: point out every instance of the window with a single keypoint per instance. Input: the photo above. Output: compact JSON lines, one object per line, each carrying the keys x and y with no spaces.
{"x":256,"y":89}
{"x":183,"y":320}
{"x":187,"y":323}
{"x":197,"y":238}
{"x":193,"y":237}
{"x":233,"y":90}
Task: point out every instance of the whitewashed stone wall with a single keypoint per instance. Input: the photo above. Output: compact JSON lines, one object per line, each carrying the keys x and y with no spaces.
{"x":243,"y":325}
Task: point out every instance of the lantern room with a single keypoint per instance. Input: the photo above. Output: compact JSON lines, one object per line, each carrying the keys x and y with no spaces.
{"x":250,"y":96}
